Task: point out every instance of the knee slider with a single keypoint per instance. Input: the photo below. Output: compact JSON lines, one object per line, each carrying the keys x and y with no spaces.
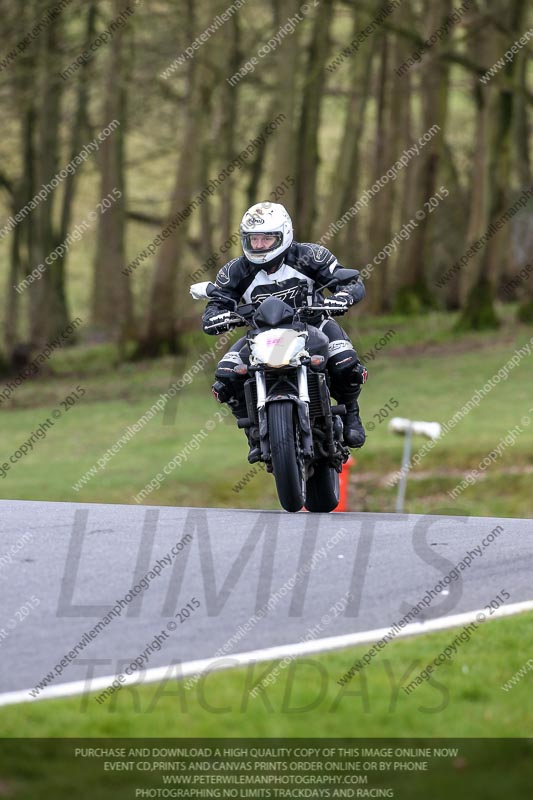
{"x":342,"y":364}
{"x":359,"y":374}
{"x":222,"y":391}
{"x":349,"y":370}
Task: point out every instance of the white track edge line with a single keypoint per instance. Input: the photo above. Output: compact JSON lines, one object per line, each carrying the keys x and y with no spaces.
{"x":266,"y":654}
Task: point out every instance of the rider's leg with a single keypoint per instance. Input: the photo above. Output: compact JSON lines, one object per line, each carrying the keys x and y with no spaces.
{"x":229,"y":388}
{"x":347,"y":375}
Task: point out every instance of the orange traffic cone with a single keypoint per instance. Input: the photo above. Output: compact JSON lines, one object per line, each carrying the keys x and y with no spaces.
{"x":344,"y":479}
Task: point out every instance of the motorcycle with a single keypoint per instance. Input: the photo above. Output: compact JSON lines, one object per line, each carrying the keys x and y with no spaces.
{"x":287,"y":396}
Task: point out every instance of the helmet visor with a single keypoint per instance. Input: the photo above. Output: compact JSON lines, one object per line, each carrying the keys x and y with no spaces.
{"x":261,"y":242}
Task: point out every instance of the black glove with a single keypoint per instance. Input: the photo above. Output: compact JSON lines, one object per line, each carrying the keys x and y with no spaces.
{"x":338,"y":303}
{"x":218,"y":323}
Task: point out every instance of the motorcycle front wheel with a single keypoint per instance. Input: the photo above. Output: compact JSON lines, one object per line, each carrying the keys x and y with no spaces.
{"x":287,"y":463}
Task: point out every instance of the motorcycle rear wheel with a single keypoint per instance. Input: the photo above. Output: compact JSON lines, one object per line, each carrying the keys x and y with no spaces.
{"x":287,"y":464}
{"x":323,"y":489}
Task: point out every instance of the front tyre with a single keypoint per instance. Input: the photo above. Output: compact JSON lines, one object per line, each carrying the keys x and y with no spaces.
{"x":323,"y":488}
{"x":286,"y":462}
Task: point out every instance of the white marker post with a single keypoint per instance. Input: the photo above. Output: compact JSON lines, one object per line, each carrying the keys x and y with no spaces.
{"x":407,"y":427}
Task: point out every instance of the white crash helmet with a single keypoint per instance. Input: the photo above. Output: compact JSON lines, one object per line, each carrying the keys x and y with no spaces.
{"x":266,"y":218}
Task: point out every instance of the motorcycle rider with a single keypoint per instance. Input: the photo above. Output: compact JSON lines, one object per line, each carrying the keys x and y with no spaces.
{"x":274,"y":264}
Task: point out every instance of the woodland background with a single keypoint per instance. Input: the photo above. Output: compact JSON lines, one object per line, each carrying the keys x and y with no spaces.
{"x":348,"y":117}
{"x":431,"y":334}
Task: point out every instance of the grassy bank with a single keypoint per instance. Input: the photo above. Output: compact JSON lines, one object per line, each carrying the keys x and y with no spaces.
{"x":428,"y":378}
{"x":462,"y":698}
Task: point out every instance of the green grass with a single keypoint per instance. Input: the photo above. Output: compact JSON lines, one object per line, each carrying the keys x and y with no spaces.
{"x":426,"y":386}
{"x":464,"y":699}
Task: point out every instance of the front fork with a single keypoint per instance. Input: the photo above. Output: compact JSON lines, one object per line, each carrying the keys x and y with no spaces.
{"x":301,"y":401}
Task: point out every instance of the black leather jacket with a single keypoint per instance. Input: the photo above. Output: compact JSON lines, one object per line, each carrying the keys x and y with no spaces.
{"x":241,"y":280}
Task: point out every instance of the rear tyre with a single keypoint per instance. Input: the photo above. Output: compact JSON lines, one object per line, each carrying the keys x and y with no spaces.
{"x":287,"y":464}
{"x":323,"y":488}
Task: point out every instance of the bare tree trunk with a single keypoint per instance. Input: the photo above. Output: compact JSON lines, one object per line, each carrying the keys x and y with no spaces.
{"x":413,"y":291}
{"x":490,"y":195}
{"x":77,"y":126}
{"x":206,"y":247}
{"x":48,"y":312}
{"x":21,"y":193}
{"x":308,"y":153}
{"x":450,"y":229}
{"x":408,"y":180}
{"x":258,"y":163}
{"x":525,"y":311}
{"x":112,"y":311}
{"x":284,"y":158}
{"x":521,"y":121}
{"x":71,"y":181}
{"x":161,"y":334}
{"x":387,"y":135}
{"x":344,"y":183}
{"x":229,"y":114}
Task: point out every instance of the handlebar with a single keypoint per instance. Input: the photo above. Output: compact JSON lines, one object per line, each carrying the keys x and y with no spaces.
{"x":240,"y":320}
{"x":237,"y":322}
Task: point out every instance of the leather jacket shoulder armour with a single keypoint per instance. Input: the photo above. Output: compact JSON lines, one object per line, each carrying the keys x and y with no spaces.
{"x":239,"y":279}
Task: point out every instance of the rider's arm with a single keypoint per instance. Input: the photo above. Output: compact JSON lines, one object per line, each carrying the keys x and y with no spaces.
{"x":229,"y":292}
{"x":354,"y":286}
{"x":325,"y":265}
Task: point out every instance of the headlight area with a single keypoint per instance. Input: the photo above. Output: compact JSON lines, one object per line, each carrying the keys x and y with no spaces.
{"x":278,"y":347}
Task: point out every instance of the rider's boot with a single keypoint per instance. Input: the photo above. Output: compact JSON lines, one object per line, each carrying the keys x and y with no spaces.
{"x":354,"y":433}
{"x":237,"y":404}
{"x":346,"y":390}
{"x":238,"y":409}
{"x":254,"y":453}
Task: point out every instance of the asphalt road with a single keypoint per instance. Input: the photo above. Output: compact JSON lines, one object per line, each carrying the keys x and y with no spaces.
{"x":63,"y":566}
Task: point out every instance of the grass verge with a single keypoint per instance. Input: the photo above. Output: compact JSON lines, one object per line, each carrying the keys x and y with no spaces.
{"x":463,"y":698}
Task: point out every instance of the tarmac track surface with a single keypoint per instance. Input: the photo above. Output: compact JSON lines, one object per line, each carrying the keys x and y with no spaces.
{"x":63,"y":566}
